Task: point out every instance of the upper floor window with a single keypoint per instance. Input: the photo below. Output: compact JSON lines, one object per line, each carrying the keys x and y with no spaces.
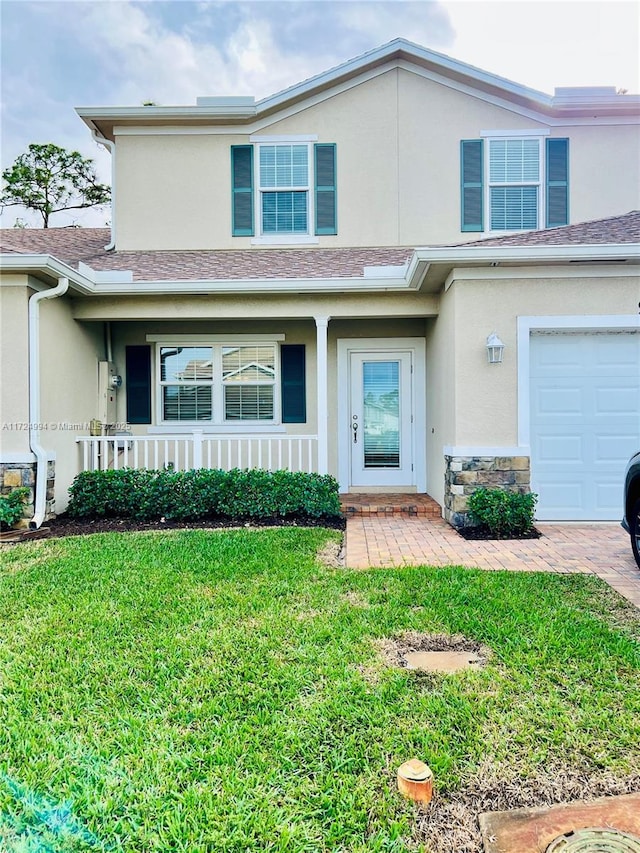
{"x":521,"y":183}
{"x":284,"y":189}
{"x":514,"y":184}
{"x":290,"y":196}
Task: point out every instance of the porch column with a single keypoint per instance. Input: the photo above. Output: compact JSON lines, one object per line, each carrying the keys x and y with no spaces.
{"x":322,"y":324}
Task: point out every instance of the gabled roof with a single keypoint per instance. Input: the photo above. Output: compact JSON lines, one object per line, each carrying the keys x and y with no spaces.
{"x":566,"y":103}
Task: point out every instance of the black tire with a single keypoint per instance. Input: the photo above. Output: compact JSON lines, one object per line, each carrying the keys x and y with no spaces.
{"x":634,"y":526}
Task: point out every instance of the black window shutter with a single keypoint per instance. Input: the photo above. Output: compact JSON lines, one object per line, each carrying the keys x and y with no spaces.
{"x":138,"y":384}
{"x":325,"y":187}
{"x":293,"y":384}
{"x":471,"y":178}
{"x":242,"y":190}
{"x":557,"y":182}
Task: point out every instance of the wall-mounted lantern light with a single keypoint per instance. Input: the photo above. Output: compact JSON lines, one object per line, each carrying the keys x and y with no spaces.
{"x":495,"y":349}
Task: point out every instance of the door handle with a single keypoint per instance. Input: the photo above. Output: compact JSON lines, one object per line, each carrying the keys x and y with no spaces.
{"x":354,"y":427}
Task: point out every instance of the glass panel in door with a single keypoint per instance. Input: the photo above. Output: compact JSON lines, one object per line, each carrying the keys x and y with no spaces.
{"x":381,"y":414}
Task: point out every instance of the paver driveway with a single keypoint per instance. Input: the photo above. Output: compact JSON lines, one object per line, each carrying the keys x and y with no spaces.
{"x":600,"y":549}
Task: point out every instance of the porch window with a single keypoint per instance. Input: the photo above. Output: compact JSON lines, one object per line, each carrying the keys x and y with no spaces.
{"x":217,"y":383}
{"x":248,"y":376}
{"x":186,"y":379}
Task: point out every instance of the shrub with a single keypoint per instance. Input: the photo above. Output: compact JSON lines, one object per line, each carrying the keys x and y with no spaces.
{"x":11,"y":506}
{"x":505,"y":514}
{"x":203,"y":493}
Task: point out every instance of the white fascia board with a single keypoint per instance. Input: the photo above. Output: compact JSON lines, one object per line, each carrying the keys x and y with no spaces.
{"x":169,"y":113}
{"x":505,"y":254}
{"x":595,"y":101}
{"x":417,"y":270}
{"x":542,"y":271}
{"x":261,"y":286}
{"x":49,"y":265}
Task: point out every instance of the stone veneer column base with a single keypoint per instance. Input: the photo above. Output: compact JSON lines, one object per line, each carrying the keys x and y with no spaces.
{"x":13,"y":475}
{"x":465,"y":474}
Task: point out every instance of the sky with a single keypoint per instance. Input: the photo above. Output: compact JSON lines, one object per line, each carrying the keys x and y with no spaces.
{"x":59,"y":54}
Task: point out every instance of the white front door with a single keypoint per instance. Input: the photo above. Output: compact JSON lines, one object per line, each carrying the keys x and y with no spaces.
{"x":380,"y":424}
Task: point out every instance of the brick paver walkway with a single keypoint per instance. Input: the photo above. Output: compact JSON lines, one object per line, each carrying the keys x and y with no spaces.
{"x":600,"y":549}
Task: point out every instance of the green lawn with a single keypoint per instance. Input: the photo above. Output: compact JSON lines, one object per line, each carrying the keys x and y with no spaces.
{"x":221,"y":691}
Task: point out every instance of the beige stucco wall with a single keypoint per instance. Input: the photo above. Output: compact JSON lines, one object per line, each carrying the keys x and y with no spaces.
{"x":173,"y":192}
{"x":14,"y":366}
{"x":605,"y":171}
{"x":486,"y":395}
{"x":285,"y":307}
{"x":69,"y":355}
{"x":398,"y":168}
{"x":441,"y":335}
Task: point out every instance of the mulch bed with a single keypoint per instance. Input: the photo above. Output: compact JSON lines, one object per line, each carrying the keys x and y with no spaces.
{"x":64,"y":525}
{"x":483,"y":532}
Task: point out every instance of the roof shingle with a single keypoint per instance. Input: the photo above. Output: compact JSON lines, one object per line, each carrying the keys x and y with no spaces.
{"x":86,"y":245}
{"x":614,"y":229}
{"x":72,"y":245}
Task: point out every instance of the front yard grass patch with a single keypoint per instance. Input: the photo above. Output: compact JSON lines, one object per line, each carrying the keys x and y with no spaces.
{"x":209,"y":691}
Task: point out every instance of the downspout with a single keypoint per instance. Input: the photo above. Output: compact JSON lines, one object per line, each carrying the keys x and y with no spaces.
{"x":34,"y":398}
{"x":108,"y":144}
{"x":108,"y":341}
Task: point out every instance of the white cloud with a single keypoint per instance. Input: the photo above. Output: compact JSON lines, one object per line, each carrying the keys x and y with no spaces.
{"x":424,"y":23}
{"x":550,"y":43}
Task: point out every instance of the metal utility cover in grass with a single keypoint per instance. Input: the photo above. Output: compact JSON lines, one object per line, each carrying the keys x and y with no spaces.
{"x":442,"y":661}
{"x":537,"y":830}
{"x":595,"y":839}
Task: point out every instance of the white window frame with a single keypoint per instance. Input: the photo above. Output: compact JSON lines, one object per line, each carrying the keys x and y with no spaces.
{"x":284,"y":237}
{"x":217,"y":344}
{"x":497,"y":136}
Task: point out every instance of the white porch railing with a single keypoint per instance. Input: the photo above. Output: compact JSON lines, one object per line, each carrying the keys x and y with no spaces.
{"x":197,"y":450}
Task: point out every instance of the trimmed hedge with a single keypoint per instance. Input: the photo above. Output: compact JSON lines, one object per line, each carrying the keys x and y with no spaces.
{"x":505,"y":514}
{"x":203,"y":493}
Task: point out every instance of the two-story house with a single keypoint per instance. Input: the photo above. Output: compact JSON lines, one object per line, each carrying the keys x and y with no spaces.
{"x":306,"y":282}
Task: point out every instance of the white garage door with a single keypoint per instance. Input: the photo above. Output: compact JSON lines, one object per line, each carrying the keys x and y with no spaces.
{"x":585,"y":421}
